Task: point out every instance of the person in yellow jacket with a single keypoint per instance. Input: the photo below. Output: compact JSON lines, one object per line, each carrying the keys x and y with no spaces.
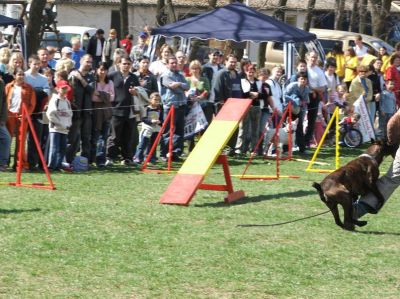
{"x":362,"y":86}
{"x":351,"y":63}
{"x":385,"y":57}
{"x":367,"y":58}
{"x":338,"y":55}
{"x":386,"y":64}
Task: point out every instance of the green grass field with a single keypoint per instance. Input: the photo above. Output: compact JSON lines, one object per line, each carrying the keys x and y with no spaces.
{"x":103,"y":234}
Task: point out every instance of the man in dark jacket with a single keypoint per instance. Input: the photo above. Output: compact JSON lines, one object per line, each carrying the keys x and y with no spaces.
{"x":95,"y":46}
{"x":5,"y":139}
{"x":83,"y":84}
{"x":124,"y":133}
{"x":227,"y":84}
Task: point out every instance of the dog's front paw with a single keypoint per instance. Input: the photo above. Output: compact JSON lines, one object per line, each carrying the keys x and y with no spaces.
{"x":349,"y":226}
{"x":360,"y":223}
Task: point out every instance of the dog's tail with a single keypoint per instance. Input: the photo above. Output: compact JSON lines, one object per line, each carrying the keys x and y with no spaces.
{"x":320,"y":192}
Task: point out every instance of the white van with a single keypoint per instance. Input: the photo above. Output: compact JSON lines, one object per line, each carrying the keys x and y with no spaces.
{"x":66,"y":33}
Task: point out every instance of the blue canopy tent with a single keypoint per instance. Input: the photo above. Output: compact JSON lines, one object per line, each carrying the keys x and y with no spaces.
{"x":6,"y":21}
{"x":238,"y":22}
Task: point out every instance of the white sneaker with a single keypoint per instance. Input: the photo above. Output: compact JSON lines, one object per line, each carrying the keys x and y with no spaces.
{"x":109,"y":162}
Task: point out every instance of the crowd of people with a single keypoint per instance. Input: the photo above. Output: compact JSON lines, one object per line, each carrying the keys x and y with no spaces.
{"x":90,"y":102}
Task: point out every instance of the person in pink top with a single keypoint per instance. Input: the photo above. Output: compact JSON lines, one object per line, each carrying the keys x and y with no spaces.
{"x":102,"y":98}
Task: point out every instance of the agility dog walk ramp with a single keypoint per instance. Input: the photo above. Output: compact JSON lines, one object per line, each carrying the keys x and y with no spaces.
{"x":205,"y":154}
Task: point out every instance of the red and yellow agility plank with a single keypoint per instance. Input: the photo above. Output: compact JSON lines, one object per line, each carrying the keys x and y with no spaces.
{"x":206,"y":152}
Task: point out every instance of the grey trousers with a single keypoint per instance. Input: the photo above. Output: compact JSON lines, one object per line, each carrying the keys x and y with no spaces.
{"x":387,"y":184}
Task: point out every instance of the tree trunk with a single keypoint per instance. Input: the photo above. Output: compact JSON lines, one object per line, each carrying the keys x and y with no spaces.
{"x":380,"y":14}
{"x":171,"y":17}
{"x":160,"y":13}
{"x":123,"y":10}
{"x":339,"y":15}
{"x":354,"y":16}
{"x":307,"y":24}
{"x":34,"y":25}
{"x":279,"y":14}
{"x":362,"y":16}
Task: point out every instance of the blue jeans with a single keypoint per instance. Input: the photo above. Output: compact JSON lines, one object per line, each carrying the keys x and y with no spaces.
{"x":58,"y":146}
{"x":145,"y":145}
{"x":179,"y":122}
{"x":99,"y":143}
{"x":5,"y":143}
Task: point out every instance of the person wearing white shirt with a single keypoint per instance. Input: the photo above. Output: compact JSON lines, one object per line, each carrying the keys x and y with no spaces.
{"x":41,"y":86}
{"x":359,"y":48}
{"x":318,"y":84}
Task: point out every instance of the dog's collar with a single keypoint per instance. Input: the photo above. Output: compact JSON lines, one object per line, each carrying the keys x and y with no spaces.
{"x":368,"y":156}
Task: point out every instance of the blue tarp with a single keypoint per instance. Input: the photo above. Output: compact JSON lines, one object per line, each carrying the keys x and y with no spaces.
{"x":6,"y":21}
{"x":236,"y":22}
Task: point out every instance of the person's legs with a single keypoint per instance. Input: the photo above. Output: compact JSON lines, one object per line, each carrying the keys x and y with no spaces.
{"x":5,"y":144}
{"x":62,"y":147}
{"x":114,"y":141}
{"x":53,"y":150}
{"x":86,"y":132}
{"x":33,"y":155}
{"x":73,"y":139}
{"x":255,"y":127}
{"x":387,"y":184}
{"x":311,"y":117}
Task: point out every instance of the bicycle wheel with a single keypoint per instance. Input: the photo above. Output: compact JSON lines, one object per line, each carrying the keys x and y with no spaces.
{"x":352,"y":138}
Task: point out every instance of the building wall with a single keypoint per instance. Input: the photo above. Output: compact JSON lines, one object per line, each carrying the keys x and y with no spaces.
{"x":99,"y":16}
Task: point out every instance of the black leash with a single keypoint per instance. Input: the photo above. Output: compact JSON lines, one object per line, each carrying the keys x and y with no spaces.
{"x":281,"y":223}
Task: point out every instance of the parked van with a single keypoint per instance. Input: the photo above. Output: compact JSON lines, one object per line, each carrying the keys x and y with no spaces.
{"x":327,"y":38}
{"x":66,"y":33}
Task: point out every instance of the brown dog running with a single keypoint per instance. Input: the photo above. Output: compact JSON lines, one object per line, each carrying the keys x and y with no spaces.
{"x":358,"y":177}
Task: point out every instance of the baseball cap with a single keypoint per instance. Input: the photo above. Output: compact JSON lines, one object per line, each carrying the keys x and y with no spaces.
{"x":67,"y":50}
{"x":143,"y":34}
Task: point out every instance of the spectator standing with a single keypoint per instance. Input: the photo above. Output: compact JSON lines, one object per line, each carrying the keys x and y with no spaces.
{"x":338,"y":55}
{"x":249,"y":133}
{"x":16,"y":62}
{"x":362,"y":86}
{"x":210,"y":69}
{"x":173,"y":88}
{"x":103,"y":97}
{"x":359,"y":48}
{"x":43,"y":55}
{"x":124,"y":133}
{"x":127,"y":43}
{"x":378,"y":83}
{"x":150,"y":127}
{"x":59,"y":114}
{"x":139,"y":49}
{"x":227,"y":84}
{"x":160,"y":66}
{"x":387,"y":108}
{"x":82,"y":82}
{"x":77,"y":52}
{"x":318,"y":85}
{"x":19,"y":92}
{"x":277,"y":93}
{"x":298,"y":94}
{"x":393,"y":73}
{"x":5,"y":138}
{"x":5,"y":55}
{"x":95,"y":46}
{"x":110,"y":44}
{"x":51,"y":53}
{"x":41,"y":86}
{"x":146,"y":79}
{"x":351,"y":63}
{"x":183,"y":66}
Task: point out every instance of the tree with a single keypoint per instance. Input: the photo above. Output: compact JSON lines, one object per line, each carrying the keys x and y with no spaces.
{"x":123,"y":11}
{"x":363,"y":16}
{"x":380,"y":14}
{"x":339,"y":15}
{"x":279,"y":14}
{"x":34,"y":25}
{"x":354,"y":16}
{"x":307,"y":24}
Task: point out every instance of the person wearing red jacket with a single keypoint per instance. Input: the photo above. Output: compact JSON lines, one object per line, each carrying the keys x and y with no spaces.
{"x":392,"y":73}
{"x":127,"y":44}
{"x":19,"y":92}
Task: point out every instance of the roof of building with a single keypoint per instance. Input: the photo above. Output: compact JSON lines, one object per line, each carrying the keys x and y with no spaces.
{"x":258,"y":4}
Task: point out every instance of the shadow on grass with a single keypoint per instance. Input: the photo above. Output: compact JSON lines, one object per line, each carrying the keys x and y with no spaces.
{"x":258,"y":198}
{"x":378,"y":233}
{"x":19,"y":211}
